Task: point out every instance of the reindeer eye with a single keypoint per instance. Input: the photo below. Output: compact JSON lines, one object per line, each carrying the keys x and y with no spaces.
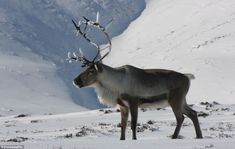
{"x":91,"y":71}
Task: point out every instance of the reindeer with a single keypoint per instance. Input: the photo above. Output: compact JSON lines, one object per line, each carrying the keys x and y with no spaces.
{"x":130,"y":87}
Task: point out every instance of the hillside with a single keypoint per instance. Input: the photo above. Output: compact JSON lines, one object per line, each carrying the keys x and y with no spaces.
{"x":35,"y":37}
{"x":187,"y":36}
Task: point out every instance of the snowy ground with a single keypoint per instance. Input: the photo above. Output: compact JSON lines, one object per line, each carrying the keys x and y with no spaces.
{"x":100,"y":129}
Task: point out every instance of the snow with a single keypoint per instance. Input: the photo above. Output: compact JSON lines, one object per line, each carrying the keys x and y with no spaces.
{"x":35,"y":37}
{"x":187,"y":36}
{"x":37,"y":97}
{"x":99,"y":129}
{"x":30,"y":85}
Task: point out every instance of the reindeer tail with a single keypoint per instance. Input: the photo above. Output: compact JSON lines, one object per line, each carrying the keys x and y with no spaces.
{"x":190,"y":76}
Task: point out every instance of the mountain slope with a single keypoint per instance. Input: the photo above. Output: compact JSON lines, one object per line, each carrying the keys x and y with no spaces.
{"x":30,"y":85}
{"x":35,"y":37}
{"x":187,"y":36}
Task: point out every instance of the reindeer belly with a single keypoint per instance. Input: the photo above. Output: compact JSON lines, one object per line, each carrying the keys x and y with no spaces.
{"x":140,"y":89}
{"x":159,"y":101}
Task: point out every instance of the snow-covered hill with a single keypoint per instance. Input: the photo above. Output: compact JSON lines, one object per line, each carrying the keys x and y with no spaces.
{"x":35,"y":37}
{"x":30,"y":84}
{"x":187,"y":36}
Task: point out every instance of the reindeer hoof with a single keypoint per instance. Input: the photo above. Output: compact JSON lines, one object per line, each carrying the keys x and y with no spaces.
{"x":176,"y":137}
{"x":134,"y":138}
{"x":199,"y":137}
{"x":122,"y":139}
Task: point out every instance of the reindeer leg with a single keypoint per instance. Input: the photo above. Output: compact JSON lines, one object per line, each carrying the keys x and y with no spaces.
{"x":176,"y":100}
{"x":193,"y":116}
{"x":124,"y":117}
{"x":179,"y":120}
{"x":134,"y":114}
{"x":133,"y":106}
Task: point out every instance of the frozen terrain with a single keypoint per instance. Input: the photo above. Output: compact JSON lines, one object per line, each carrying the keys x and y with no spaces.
{"x":187,"y":35}
{"x":99,"y":129}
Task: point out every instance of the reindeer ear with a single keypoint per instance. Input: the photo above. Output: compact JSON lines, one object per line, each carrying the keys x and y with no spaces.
{"x":98,"y":67}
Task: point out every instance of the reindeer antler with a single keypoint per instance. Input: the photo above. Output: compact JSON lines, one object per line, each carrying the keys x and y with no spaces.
{"x":83,"y":33}
{"x":79,"y":57}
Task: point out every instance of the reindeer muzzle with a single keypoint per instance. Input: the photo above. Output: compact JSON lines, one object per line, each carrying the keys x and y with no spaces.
{"x":78,"y":83}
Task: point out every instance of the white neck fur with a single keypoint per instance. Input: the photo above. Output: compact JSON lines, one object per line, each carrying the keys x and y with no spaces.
{"x":109,"y":85}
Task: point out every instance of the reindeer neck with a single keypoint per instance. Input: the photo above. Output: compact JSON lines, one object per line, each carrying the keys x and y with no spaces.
{"x":110,"y":77}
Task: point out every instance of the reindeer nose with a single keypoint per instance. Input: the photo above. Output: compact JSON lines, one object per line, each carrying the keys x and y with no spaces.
{"x":78,"y":82}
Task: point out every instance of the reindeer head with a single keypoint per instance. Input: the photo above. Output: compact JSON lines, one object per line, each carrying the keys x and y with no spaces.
{"x":93,"y":67}
{"x":88,"y":77}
